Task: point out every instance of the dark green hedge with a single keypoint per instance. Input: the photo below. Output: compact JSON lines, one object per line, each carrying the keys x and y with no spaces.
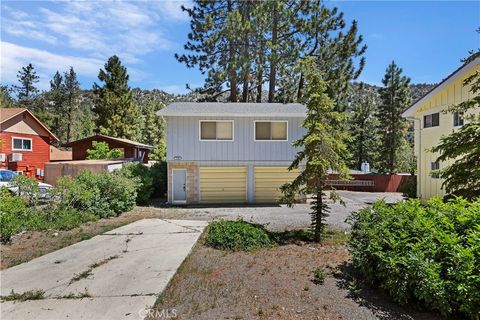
{"x":427,"y":253}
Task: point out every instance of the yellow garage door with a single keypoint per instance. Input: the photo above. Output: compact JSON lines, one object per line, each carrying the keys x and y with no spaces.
{"x":223,"y":184}
{"x":268,"y":181}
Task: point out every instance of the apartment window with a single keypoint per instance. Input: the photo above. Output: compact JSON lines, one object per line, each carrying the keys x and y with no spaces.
{"x":271,"y":131}
{"x":431,"y":120}
{"x":434,"y":166}
{"x":23,"y":144}
{"x":457,"y":119}
{"x":216,"y":130}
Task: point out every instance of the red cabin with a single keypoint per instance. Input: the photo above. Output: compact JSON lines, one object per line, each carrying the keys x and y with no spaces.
{"x":24,"y":142}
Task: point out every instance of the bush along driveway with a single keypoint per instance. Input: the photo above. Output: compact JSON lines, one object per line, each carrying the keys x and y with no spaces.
{"x":116,"y":275}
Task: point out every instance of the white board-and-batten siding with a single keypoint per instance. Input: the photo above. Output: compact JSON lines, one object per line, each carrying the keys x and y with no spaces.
{"x":183,"y":141}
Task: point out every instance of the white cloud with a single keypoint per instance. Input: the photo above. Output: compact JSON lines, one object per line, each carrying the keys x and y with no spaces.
{"x":98,"y":28}
{"x":173,"y":9}
{"x":14,"y":57}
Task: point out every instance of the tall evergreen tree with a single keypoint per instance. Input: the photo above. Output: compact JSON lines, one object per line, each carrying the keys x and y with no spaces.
{"x":363,"y":125}
{"x":246,"y":44}
{"x":117,"y":114}
{"x":395,"y":96}
{"x":153,"y":130}
{"x":72,"y":105}
{"x":56,"y":100}
{"x":214,"y":43}
{"x":322,"y":149}
{"x":27,"y":90}
{"x":459,"y":152}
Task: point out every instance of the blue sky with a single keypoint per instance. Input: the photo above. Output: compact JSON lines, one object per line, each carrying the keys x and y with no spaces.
{"x":427,"y":39}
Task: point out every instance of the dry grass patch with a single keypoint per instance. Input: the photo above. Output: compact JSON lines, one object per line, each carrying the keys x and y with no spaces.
{"x":269,"y":283}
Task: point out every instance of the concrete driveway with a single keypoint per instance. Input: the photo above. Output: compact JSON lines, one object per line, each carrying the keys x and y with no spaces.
{"x":279,"y":218}
{"x":116,"y":275}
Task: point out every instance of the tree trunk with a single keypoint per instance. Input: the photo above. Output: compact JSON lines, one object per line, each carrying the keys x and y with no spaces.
{"x":246,"y":65}
{"x":300,"y":87}
{"x":273,"y":58}
{"x":317,"y":236}
{"x":232,"y":75}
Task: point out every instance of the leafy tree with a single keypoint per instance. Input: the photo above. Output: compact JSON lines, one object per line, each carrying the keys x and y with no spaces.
{"x":395,"y":96}
{"x":322,"y":149}
{"x":363,"y":125}
{"x":101,"y":150}
{"x":27,"y":91}
{"x":117,"y":114}
{"x":462,"y":147}
{"x":6,"y":100}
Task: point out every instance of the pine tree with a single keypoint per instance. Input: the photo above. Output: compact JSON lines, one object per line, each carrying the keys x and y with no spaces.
{"x":363,"y":125}
{"x":72,"y":92}
{"x":117,"y":114}
{"x":214,"y":43}
{"x":153,"y":130}
{"x":395,"y":96}
{"x":322,"y":149}
{"x":55,"y":100}
{"x":27,"y":91}
{"x":246,"y":44}
{"x":461,"y":148}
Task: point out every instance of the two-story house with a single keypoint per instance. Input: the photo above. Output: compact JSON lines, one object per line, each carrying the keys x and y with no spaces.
{"x":230,"y":152}
{"x":431,"y":123}
{"x":24,"y":142}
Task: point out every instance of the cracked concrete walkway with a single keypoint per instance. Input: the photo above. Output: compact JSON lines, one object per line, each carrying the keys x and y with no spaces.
{"x":121,"y":272}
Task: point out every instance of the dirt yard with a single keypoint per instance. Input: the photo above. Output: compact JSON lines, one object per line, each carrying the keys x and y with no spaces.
{"x":276,"y":283}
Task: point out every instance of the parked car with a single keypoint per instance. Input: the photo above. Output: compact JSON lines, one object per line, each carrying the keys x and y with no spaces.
{"x":6,"y":176}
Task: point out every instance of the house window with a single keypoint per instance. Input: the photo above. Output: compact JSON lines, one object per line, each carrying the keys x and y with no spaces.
{"x":434,"y":166}
{"x":271,"y":131}
{"x":431,"y":120}
{"x":216,"y":130}
{"x":23,"y":144}
{"x":457,"y":119}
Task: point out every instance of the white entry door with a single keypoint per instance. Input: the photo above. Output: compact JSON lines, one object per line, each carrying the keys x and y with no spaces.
{"x":179,"y":181}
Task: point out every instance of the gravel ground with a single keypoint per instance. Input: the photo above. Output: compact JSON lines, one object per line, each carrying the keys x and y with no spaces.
{"x":281,"y":217}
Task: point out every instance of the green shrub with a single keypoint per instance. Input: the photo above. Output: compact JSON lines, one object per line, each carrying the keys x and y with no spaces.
{"x":237,"y":235}
{"x":101,"y":150}
{"x":159,"y":175}
{"x":319,"y":276}
{"x":28,"y":188}
{"x":427,"y":253}
{"x":103,"y":194}
{"x":16,"y":216}
{"x":409,"y":188}
{"x":12,"y":210}
{"x":143,"y":178}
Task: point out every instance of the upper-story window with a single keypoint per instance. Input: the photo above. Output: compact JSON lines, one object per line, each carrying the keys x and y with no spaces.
{"x":458,"y":119}
{"x":221,"y":130}
{"x":271,"y":130}
{"x":23,"y":144}
{"x":431,"y":120}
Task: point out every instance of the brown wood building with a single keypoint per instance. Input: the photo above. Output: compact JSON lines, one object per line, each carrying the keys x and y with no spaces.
{"x":131,"y":150}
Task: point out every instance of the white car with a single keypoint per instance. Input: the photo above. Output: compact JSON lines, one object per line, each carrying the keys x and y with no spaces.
{"x":6,"y":176}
